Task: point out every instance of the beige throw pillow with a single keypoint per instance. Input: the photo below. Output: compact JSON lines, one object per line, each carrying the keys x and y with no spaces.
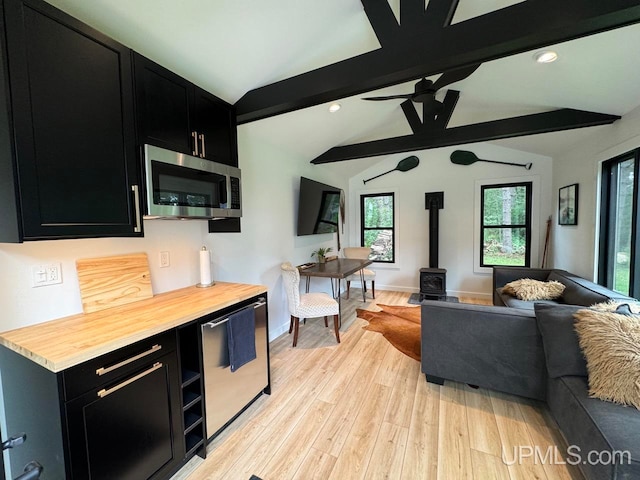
{"x":529,"y":289}
{"x":612,"y":305}
{"x":611,"y":344}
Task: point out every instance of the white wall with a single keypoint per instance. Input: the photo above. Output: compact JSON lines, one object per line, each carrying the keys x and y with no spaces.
{"x":270,"y":189}
{"x":574,"y":246}
{"x":270,"y":196}
{"x":458,"y":237}
{"x":271,"y":179}
{"x":270,"y":183}
{"x":21,"y":304}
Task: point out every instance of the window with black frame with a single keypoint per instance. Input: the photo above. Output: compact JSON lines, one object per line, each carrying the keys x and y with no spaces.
{"x":617,"y":265}
{"x":505,"y":224}
{"x":377,"y":226}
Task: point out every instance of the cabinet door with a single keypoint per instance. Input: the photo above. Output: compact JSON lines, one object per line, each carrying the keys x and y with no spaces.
{"x":72,"y":104}
{"x":129,"y":429}
{"x":216,"y":120}
{"x":163,"y":102}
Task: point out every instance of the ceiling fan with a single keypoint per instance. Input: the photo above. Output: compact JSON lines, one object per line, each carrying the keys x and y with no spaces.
{"x":425,"y":90}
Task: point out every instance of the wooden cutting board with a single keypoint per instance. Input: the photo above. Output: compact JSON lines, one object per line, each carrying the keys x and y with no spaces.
{"x":107,"y":282}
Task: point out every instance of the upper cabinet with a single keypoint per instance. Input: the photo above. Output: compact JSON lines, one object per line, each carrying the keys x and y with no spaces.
{"x":173,"y":113}
{"x":68,"y":166}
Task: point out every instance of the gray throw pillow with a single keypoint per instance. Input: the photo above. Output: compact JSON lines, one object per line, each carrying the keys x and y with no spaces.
{"x":560,"y":341}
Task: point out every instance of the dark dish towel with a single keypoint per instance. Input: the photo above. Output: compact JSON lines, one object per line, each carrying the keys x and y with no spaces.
{"x":241,"y":337}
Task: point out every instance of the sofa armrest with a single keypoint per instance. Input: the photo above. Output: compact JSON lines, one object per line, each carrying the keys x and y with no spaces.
{"x":493,"y":347}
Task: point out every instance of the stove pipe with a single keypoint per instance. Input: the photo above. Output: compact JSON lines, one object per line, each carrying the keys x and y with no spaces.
{"x":434,"y":201}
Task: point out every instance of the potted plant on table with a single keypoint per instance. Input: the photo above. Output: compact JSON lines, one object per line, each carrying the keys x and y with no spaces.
{"x":321,"y":253}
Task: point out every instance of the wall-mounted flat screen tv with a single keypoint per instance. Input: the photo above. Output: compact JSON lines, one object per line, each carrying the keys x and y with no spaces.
{"x":318,"y":207}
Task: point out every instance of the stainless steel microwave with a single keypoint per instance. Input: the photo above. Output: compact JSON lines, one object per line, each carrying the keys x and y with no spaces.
{"x":182,"y":186}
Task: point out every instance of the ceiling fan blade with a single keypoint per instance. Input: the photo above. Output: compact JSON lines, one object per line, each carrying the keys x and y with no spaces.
{"x":390,"y":97}
{"x":454,"y":76}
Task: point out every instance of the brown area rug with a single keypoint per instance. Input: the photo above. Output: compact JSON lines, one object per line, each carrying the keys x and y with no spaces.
{"x":399,"y":325}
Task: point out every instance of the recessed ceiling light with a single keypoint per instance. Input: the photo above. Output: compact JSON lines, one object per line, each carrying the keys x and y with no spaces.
{"x":546,"y":56}
{"x":334,"y":107}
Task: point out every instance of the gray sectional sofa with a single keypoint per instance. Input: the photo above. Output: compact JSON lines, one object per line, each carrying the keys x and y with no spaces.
{"x":531,"y":349}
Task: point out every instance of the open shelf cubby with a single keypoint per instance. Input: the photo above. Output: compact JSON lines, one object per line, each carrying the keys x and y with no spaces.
{"x":191,"y":385}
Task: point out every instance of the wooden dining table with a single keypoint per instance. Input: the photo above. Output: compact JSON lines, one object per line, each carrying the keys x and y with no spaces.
{"x":335,"y":269}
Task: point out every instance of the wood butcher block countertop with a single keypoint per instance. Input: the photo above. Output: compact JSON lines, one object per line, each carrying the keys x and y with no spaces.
{"x":69,"y":341}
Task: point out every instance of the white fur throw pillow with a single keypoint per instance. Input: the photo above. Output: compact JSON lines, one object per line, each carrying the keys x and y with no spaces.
{"x":611,"y":345}
{"x":612,"y":305}
{"x":529,"y":289}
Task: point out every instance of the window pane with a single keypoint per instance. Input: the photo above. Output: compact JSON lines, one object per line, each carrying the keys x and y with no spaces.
{"x":504,"y":246}
{"x":505,"y":205}
{"x":378,"y":212}
{"x":623,"y":216}
{"x":381,"y":243}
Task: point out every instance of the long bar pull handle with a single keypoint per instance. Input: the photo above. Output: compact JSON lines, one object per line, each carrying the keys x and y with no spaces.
{"x":108,"y":391}
{"x":103,"y":370}
{"x":219,"y":322}
{"x":194,"y":135}
{"x":136,"y":199}
{"x":202,"y":152}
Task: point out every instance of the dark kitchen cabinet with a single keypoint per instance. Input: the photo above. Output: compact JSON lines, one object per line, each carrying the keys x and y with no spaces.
{"x":173,"y":113}
{"x":67,"y":138}
{"x":120,"y":413}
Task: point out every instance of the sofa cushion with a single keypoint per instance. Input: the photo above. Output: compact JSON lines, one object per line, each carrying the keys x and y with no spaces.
{"x":611,"y":344}
{"x":591,"y":425}
{"x":560,"y":342}
{"x":530,"y":289}
{"x":513,"y":302}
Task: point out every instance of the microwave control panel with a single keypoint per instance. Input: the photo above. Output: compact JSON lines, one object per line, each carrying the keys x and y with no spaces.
{"x":235,"y":193}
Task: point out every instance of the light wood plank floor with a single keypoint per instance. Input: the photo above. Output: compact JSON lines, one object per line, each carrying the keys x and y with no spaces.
{"x":362,"y":409}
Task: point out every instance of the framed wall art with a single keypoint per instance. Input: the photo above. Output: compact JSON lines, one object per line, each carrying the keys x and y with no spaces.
{"x":568,"y":205}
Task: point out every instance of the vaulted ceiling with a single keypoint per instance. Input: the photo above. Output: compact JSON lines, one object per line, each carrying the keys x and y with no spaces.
{"x":234,"y":48}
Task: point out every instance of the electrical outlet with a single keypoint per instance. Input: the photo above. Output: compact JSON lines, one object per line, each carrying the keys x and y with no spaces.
{"x":43,"y":275}
{"x":165,"y":259}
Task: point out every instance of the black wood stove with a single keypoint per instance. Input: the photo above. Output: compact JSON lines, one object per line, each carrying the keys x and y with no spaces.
{"x":433,"y":280}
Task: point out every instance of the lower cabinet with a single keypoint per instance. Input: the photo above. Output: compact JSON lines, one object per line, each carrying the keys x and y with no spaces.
{"x":136,"y":413}
{"x":118,"y":416}
{"x":127,"y":430}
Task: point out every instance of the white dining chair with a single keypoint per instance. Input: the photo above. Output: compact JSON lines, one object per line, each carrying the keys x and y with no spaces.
{"x":361,"y":253}
{"x":307,"y":305}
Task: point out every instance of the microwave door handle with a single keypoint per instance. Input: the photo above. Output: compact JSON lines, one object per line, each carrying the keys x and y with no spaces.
{"x":202,"y":152}
{"x":194,"y":135}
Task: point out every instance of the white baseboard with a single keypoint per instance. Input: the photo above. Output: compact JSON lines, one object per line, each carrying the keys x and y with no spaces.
{"x":453,"y":293}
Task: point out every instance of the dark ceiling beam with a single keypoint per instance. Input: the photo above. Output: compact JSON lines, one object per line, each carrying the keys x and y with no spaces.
{"x":557,"y":120}
{"x":411,"y":114}
{"x":382,"y":20}
{"x":411,"y":14}
{"x":521,"y":27}
{"x":440,"y":13}
{"x":448,"y":105}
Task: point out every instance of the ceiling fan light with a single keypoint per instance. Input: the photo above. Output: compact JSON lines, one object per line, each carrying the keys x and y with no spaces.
{"x":546,"y":56}
{"x":334,"y":107}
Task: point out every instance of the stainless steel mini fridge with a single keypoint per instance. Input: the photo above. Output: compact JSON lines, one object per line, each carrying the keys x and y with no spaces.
{"x":227,"y":393}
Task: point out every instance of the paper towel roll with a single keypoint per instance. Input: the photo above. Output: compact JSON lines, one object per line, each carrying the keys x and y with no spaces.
{"x":205,"y":268}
